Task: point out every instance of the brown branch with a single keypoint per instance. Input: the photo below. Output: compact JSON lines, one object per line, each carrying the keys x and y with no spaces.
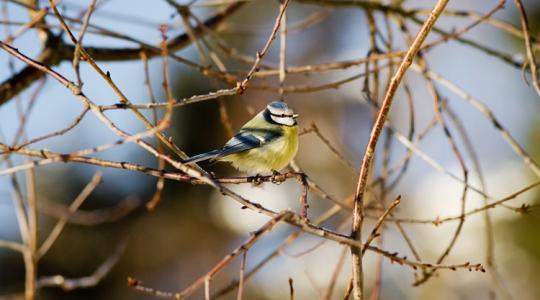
{"x":279,"y":250}
{"x":56,"y":51}
{"x":225,"y":261}
{"x":528,"y":45}
{"x":38,"y":17}
{"x":333,"y":279}
{"x":69,"y":284}
{"x":260,"y":54}
{"x":488,"y":113}
{"x":314,"y":128}
{"x":77,"y":51}
{"x":28,"y":75}
{"x":15,"y":246}
{"x":72,"y":125}
{"x":301,"y":223}
{"x":175,"y":44}
{"x":90,"y":217}
{"x":241,"y":276}
{"x":123,"y":99}
{"x":282,"y":54}
{"x":412,"y":15}
{"x":370,"y":149}
{"x":304,"y":196}
{"x":380,"y":221}
{"x":138,"y":285}
{"x":186,"y":174}
{"x":59,"y":226}
{"x":160,"y":184}
{"x":291,"y":289}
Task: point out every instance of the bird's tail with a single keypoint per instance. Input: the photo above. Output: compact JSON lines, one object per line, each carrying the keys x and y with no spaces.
{"x":203,"y":156}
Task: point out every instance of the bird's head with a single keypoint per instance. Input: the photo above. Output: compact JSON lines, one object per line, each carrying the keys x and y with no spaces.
{"x":279,"y":112}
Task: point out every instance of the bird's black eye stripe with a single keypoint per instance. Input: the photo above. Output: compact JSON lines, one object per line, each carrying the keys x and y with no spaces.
{"x":281,"y":116}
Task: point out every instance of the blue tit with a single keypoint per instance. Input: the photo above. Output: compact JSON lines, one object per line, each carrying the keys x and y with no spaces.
{"x":266,"y":143}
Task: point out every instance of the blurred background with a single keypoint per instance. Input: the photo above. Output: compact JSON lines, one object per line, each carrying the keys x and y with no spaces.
{"x":193,"y":226}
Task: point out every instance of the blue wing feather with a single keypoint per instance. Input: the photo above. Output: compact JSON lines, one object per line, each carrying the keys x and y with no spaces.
{"x":203,"y":156}
{"x":246,"y":139}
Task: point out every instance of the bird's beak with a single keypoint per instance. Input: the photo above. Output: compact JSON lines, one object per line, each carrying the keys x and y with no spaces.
{"x":295,"y":116}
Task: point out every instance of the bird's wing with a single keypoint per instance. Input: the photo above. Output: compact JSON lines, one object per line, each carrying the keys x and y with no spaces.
{"x":249,"y":138}
{"x":202,"y":157}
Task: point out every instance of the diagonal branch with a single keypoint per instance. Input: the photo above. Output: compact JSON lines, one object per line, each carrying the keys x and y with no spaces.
{"x":358,"y":216}
{"x":56,"y":51}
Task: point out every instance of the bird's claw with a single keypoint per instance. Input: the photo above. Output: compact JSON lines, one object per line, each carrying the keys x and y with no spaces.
{"x":256,"y":180}
{"x":277,"y":178}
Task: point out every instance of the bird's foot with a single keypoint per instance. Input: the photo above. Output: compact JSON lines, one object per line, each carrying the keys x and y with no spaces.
{"x":277,"y":178}
{"x":256,"y":180}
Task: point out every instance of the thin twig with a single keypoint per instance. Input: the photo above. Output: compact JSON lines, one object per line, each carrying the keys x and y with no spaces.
{"x":244,"y":247}
{"x":38,"y":17}
{"x":260,"y":54}
{"x":59,"y":226}
{"x":381,"y":220}
{"x":90,"y":217}
{"x":69,"y":284}
{"x":528,"y":45}
{"x":488,"y":113}
{"x":291,"y":289}
{"x":282,"y":53}
{"x":333,"y":279}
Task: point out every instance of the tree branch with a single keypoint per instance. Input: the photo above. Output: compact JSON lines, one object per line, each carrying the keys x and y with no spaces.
{"x":56,"y":51}
{"x":358,"y":217}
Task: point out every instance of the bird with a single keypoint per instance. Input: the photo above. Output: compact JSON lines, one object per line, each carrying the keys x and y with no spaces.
{"x":265,"y":144}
